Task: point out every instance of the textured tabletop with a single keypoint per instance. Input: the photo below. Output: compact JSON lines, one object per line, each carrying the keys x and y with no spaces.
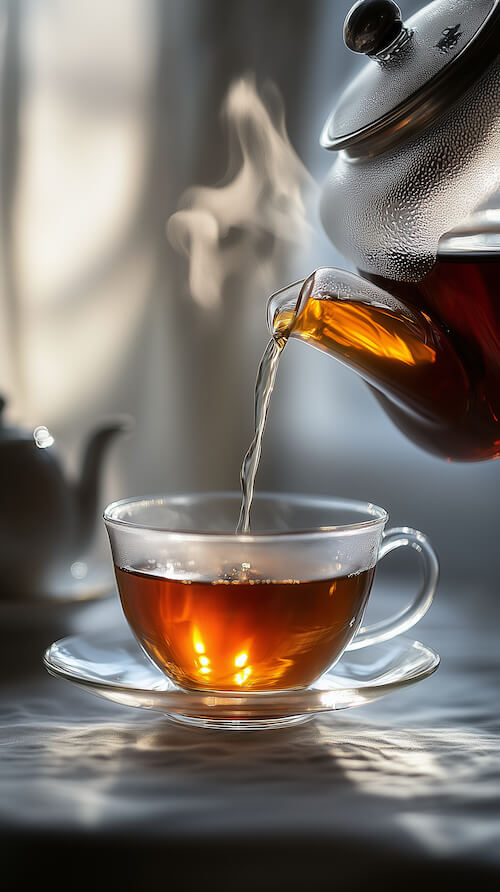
{"x":406,"y":790}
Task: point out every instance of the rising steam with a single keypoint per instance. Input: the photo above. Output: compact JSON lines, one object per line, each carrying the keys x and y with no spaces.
{"x":246,"y":224}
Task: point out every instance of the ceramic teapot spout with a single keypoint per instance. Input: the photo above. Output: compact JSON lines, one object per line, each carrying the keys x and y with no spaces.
{"x":400,"y":351}
{"x":87,"y":487}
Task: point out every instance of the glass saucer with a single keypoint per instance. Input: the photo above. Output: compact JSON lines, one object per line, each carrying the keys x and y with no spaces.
{"x":112,"y":665}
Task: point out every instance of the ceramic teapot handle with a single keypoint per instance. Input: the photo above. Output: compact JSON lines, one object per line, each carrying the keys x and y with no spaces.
{"x":402,"y":537}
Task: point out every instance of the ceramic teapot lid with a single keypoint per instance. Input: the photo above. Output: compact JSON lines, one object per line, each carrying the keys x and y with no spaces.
{"x":416,"y":70}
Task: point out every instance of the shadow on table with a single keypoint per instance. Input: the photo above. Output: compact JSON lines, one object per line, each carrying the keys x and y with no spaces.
{"x":342,"y":802}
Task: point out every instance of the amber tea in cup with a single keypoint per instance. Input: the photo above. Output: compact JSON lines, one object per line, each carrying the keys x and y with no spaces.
{"x":245,"y":633}
{"x":263,"y":611}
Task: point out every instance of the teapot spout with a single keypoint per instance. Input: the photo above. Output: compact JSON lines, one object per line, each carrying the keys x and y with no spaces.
{"x":400,"y":351}
{"x":87,"y":487}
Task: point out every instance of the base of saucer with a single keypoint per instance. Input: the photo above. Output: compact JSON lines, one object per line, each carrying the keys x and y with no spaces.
{"x":229,"y":724}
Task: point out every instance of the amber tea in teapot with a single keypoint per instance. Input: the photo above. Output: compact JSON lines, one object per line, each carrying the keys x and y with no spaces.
{"x":465,"y":297}
{"x":430,"y":350}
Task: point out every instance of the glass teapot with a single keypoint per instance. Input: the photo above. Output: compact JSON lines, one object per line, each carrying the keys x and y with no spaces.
{"x":411,"y":201}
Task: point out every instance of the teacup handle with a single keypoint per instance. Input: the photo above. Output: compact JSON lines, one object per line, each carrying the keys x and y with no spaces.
{"x":400,"y":537}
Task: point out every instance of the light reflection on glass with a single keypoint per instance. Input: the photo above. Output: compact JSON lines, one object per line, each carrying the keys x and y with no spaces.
{"x":42,"y":437}
{"x":197,"y":643}
{"x":241,"y":677}
{"x":79,"y":570}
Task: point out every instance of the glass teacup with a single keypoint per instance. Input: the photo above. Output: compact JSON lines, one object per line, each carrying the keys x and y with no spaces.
{"x":269,"y":610}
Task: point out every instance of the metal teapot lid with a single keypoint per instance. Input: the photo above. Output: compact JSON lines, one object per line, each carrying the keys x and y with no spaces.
{"x":417,"y":69}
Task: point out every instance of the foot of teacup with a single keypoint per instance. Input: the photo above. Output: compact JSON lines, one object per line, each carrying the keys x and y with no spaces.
{"x":221,"y":724}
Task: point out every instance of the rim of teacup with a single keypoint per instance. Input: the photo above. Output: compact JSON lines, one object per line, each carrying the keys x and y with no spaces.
{"x":374,"y":515}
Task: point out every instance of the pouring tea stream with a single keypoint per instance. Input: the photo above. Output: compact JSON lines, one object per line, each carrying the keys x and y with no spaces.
{"x":412,"y":200}
{"x":417,"y":137}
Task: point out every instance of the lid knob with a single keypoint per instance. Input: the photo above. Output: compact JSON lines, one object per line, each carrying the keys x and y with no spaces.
{"x":372,"y":25}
